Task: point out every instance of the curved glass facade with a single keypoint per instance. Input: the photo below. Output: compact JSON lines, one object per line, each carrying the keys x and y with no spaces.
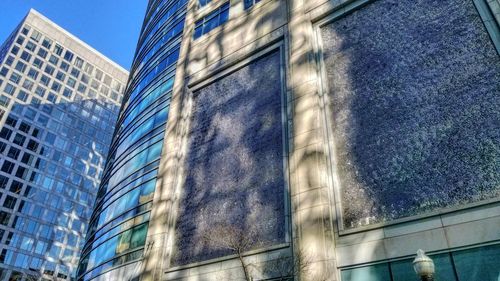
{"x":119,"y":224}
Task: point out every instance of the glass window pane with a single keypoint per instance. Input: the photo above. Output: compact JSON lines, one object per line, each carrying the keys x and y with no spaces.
{"x":480,"y":264}
{"x":379,"y":272}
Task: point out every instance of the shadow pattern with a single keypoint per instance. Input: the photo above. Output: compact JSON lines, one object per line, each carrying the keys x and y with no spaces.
{"x":234,"y":163}
{"x":415,"y":106}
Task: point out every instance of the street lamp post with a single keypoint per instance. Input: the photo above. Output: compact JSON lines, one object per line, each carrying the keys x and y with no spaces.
{"x":424,"y":266}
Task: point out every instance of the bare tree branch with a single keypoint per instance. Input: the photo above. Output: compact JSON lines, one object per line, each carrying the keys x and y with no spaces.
{"x":238,"y":241}
{"x":234,"y":239}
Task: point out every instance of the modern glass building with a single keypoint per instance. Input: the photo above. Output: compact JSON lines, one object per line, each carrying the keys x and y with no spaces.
{"x":119,"y":224}
{"x":59,"y":101}
{"x":325,"y":140}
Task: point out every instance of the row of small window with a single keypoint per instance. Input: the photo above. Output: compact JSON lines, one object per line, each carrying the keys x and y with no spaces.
{"x":65,"y":238}
{"x":115,"y":262}
{"x":67,"y":127}
{"x":20,"y":139}
{"x":110,"y":227}
{"x":41,"y":212}
{"x":14,"y":153}
{"x":166,"y":17}
{"x":154,"y":9}
{"x":61,"y":77}
{"x":10,"y":257}
{"x":30,"y":244}
{"x":211,"y":21}
{"x":40,"y":91}
{"x":139,"y":213}
{"x":96,"y":231}
{"x":62,"y":205}
{"x":44,"y":80}
{"x":161,"y":67}
{"x":8,"y":168}
{"x":150,"y":99}
{"x":77,"y":200}
{"x":66,"y":197}
{"x":78,"y":116}
{"x":68,"y":56}
{"x":23,"y":126}
{"x":246,"y":3}
{"x":15,"y":187}
{"x":59,"y":187}
{"x":95,"y":241}
{"x":44,"y":227}
{"x":132,"y":199}
{"x":46,"y":234}
{"x":66,"y":136}
{"x":83,"y":116}
{"x":216,"y":18}
{"x":37,"y":212}
{"x":34,"y":264}
{"x":23,"y":96}
{"x":118,"y":245}
{"x":164,"y":43}
{"x":62,"y":184}
{"x":119,"y":225}
{"x":106,"y":195}
{"x":44,"y":213}
{"x":58,"y":142}
{"x":42,"y":53}
{"x":15,"y":275}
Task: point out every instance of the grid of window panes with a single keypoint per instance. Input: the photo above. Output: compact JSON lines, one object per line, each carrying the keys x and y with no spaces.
{"x":477,"y":264}
{"x":4,"y":49}
{"x":118,"y":227}
{"x":59,"y":116}
{"x":249,"y":3}
{"x":212,"y":20}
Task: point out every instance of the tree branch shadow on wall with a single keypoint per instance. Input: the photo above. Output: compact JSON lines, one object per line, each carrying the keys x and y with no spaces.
{"x":309,"y":155}
{"x":364,"y":131}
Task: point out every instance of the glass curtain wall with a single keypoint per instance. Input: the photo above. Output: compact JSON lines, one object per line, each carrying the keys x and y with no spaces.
{"x":118,"y":228}
{"x":476,"y":264}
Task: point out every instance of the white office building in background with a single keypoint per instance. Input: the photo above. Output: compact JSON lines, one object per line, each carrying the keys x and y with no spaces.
{"x":59,"y":101}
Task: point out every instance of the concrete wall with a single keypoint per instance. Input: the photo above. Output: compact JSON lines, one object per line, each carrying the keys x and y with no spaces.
{"x":314,"y":205}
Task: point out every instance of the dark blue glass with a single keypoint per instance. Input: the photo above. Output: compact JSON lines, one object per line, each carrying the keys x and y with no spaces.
{"x":204,"y":2}
{"x":212,"y":20}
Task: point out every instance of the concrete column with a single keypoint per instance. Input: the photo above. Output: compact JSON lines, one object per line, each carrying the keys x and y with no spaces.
{"x":311,"y":199}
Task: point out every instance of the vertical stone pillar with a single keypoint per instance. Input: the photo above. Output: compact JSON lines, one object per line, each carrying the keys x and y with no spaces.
{"x":312,"y":211}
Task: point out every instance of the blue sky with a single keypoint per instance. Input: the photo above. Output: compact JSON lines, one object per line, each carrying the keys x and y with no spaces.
{"x":109,"y":26}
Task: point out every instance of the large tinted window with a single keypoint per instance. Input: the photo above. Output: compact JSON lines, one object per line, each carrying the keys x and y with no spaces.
{"x":478,"y":264}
